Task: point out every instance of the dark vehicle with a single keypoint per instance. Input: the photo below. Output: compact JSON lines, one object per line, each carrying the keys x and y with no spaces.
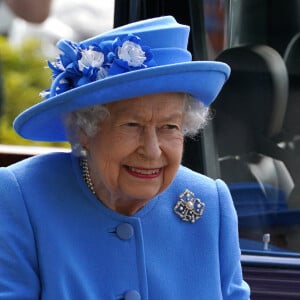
{"x":253,"y":140}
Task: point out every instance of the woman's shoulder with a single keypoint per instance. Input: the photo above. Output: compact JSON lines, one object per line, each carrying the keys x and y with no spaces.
{"x":51,"y":159}
{"x":37,"y":175}
{"x":190,"y":177}
{"x":39,"y":166}
{"x":200,"y":184}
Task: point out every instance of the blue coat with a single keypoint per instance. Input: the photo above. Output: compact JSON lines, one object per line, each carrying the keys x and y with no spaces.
{"x":57,"y":241}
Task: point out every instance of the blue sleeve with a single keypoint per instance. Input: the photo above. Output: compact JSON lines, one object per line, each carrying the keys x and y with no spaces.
{"x":233,"y":286}
{"x":18,"y":263}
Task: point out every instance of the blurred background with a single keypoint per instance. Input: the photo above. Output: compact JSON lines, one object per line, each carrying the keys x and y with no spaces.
{"x":26,"y":46}
{"x":70,"y":19}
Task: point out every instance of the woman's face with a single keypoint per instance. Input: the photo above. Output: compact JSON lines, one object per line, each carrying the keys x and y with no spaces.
{"x":137,"y":150}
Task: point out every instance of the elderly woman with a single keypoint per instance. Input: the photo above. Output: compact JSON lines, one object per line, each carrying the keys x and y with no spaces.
{"x":119,"y":217}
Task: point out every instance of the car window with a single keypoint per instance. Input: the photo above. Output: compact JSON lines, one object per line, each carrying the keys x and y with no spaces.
{"x":256,"y":115}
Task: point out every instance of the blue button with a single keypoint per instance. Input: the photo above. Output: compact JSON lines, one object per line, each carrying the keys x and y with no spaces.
{"x":132,"y":295}
{"x":125,"y":231}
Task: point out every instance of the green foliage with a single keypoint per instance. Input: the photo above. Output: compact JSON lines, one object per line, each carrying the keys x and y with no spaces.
{"x":24,"y":76}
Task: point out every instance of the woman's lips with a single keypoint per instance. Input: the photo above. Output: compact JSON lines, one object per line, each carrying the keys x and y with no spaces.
{"x":143,"y":172}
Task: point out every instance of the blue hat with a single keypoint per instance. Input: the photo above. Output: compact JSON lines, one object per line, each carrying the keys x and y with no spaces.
{"x":137,"y":59}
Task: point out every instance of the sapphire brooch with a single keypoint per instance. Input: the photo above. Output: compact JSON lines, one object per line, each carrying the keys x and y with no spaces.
{"x":189,"y":208}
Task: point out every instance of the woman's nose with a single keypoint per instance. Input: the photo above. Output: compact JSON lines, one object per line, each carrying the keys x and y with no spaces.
{"x":150,"y":144}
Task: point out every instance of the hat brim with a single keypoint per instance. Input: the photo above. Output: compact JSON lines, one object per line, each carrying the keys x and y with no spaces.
{"x":44,"y":121}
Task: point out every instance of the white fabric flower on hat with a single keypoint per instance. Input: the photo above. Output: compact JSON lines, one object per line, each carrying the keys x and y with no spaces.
{"x":132,"y":53}
{"x":91,"y":58}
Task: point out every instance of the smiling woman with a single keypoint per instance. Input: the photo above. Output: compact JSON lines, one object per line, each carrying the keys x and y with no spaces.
{"x":145,"y":139}
{"x":109,"y":220}
{"x":148,"y":128}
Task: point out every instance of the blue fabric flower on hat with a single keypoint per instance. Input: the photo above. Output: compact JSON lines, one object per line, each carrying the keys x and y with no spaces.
{"x":77,"y":65}
{"x":80,"y":64}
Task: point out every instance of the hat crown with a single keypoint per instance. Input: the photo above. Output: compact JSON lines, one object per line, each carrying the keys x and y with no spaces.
{"x":162,"y":32}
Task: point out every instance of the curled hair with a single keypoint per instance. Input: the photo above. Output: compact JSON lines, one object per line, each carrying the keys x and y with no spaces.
{"x":196,"y":115}
{"x":87,"y":120}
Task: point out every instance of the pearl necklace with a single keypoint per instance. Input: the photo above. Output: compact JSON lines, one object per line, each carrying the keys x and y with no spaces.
{"x":86,"y":175}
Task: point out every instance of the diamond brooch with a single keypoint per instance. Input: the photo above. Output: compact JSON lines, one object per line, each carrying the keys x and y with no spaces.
{"x":189,"y":208}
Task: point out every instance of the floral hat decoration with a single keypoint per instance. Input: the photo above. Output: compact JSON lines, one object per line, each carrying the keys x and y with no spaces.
{"x":137,"y":59}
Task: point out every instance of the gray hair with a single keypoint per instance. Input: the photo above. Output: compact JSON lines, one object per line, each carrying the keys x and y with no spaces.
{"x":87,"y":120}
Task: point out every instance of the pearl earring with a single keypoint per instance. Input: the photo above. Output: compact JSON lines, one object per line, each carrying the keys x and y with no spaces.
{"x":79,"y":150}
{"x":83,"y":152}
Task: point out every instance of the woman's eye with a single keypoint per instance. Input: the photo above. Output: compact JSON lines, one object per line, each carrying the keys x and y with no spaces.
{"x":132,"y":124}
{"x":170,"y":126}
